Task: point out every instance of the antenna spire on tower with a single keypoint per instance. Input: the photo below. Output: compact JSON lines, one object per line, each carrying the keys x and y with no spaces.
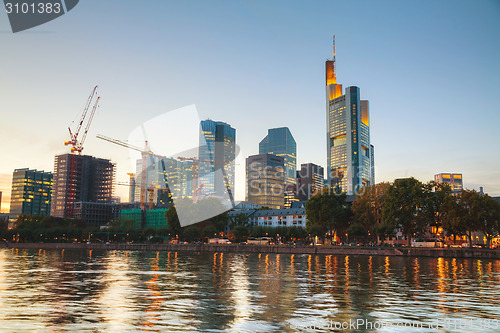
{"x":334,"y":89}
{"x":334,"y":69}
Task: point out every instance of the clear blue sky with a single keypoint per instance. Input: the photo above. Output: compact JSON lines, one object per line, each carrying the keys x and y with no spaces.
{"x":430,"y":69}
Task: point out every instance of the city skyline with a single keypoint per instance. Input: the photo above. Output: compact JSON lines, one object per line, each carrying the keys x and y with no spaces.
{"x":219,"y":175}
{"x":422,"y":122}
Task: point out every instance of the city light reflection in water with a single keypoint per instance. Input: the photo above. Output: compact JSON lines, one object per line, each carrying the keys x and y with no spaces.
{"x":54,"y":290}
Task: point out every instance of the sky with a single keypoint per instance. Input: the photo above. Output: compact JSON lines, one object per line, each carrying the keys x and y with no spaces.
{"x":430,"y":69}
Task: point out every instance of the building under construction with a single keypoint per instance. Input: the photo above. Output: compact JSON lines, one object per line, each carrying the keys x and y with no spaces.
{"x":82,"y":179}
{"x":167,"y":178}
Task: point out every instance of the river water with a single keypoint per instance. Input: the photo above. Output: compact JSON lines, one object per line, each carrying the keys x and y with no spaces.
{"x":127,"y":291}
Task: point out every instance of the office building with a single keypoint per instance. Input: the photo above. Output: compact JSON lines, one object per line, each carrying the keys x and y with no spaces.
{"x":80,"y":178}
{"x":350,"y":156}
{"x":452,"y":179}
{"x":31,"y":192}
{"x":265,"y":180}
{"x":280,"y":142}
{"x":217,"y":153}
{"x":179,"y":177}
{"x":310,"y":179}
{"x":132,"y":185}
{"x":95,"y":214}
{"x":167,"y":179}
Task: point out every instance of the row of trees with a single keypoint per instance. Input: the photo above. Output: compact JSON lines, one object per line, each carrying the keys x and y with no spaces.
{"x":39,"y":228}
{"x":239,"y":226}
{"x":35,"y":228}
{"x":407,"y":204}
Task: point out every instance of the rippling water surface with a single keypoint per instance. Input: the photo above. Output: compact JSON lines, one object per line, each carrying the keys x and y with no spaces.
{"x":53,"y":290}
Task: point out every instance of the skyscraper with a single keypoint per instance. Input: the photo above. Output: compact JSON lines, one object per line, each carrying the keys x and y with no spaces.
{"x":167,"y":179}
{"x":310,"y":179}
{"x":350,"y":163}
{"x":178,"y":177}
{"x":31,"y":192}
{"x":265,"y":180}
{"x":80,"y":178}
{"x":217,"y":153}
{"x":280,"y":142}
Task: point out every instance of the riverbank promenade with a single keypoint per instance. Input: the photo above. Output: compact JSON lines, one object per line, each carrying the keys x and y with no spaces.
{"x":281,"y":249}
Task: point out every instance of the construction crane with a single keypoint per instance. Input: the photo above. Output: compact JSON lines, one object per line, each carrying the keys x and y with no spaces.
{"x":145,"y":152}
{"x":150,"y":191}
{"x":77,"y":145}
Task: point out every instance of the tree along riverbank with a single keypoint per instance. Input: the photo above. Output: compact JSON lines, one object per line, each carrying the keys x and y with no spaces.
{"x":284,"y":249}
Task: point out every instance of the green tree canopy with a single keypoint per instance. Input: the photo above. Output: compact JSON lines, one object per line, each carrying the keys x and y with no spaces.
{"x":314,"y":230}
{"x":403,"y":206}
{"x":296,"y":233}
{"x":258,"y":231}
{"x":489,"y":218}
{"x":327,"y":210}
{"x":367,"y":210}
{"x":209,"y":231}
{"x":240,"y":219}
{"x":435,"y":196}
{"x":4,"y":226}
{"x":240,"y":232}
{"x":191,"y":233}
{"x":173,"y":220}
{"x":471,"y":211}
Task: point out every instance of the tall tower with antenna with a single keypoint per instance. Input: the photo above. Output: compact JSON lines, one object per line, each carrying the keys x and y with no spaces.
{"x":350,"y":155}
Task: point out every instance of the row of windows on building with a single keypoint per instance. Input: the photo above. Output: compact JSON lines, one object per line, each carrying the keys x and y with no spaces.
{"x":298,"y":220}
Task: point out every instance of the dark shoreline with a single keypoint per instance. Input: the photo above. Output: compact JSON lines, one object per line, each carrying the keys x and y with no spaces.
{"x":370,"y":251}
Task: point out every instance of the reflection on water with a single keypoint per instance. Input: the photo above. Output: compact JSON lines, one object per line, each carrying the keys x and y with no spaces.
{"x":168,"y":291}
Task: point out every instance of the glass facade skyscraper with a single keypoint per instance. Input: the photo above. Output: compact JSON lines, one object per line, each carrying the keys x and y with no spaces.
{"x":168,"y":179}
{"x":280,"y":142}
{"x":178,"y":178}
{"x":217,"y":153}
{"x":350,"y":155}
{"x":31,"y":192}
{"x":310,"y":179}
{"x":265,"y":180}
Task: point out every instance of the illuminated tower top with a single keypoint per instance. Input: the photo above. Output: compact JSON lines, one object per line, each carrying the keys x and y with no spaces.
{"x":334,"y":90}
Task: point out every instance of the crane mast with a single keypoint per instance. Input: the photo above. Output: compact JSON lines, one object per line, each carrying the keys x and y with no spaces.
{"x":77,"y":146}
